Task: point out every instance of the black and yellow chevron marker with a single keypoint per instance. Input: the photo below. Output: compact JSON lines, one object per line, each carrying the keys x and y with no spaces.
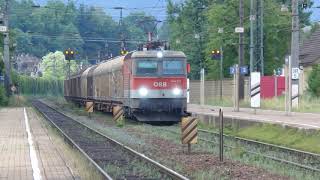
{"x":89,"y":107}
{"x":117,"y":113}
{"x":189,"y":130}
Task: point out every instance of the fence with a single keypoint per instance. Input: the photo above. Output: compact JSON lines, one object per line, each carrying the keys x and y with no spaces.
{"x":212,"y":89}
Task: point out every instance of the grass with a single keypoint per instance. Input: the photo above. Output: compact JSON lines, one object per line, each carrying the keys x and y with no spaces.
{"x":289,"y":137}
{"x":308,"y":103}
{"x":275,"y":134}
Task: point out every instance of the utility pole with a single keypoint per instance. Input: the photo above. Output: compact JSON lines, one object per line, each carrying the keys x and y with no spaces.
{"x":241,"y":50}
{"x":6,"y":55}
{"x":256,"y":36}
{"x":236,"y":77}
{"x":261,"y":25}
{"x":294,"y":99}
{"x":290,"y":86}
{"x":252,"y":44}
{"x":221,"y":72}
{"x":121,"y":29}
{"x":220,"y":31}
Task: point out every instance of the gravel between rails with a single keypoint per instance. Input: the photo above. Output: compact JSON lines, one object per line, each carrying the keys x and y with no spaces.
{"x":120,"y":162}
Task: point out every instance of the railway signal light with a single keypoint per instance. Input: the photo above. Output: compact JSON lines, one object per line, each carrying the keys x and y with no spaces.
{"x":305,"y":4}
{"x":124,"y":52}
{"x":69,"y":54}
{"x":215,"y":54}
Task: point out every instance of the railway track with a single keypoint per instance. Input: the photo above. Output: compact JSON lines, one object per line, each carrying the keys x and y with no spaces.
{"x":302,"y":159}
{"x":111,"y":158}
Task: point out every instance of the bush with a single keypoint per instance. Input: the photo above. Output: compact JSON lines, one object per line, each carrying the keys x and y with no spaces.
{"x":3,"y":97}
{"x":38,"y":86}
{"x":314,"y":81}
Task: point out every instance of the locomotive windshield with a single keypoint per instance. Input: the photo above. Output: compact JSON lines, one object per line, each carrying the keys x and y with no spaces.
{"x":165,"y":66}
{"x":147,"y":67}
{"x":171,"y":67}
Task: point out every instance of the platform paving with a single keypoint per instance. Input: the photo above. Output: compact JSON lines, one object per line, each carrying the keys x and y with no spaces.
{"x":15,"y":161}
{"x":299,"y":120}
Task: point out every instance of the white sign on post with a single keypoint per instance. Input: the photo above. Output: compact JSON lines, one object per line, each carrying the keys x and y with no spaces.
{"x":255,"y":89}
{"x":3,"y":28}
{"x":239,"y":30}
{"x":295,"y":73}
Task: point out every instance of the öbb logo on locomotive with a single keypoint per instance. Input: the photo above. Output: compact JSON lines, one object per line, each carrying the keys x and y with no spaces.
{"x":160,"y":84}
{"x":149,"y":87}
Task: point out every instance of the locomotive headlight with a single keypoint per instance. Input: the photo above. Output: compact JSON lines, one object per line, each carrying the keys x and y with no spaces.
{"x":143,"y":91}
{"x":159,"y":54}
{"x":177,"y":91}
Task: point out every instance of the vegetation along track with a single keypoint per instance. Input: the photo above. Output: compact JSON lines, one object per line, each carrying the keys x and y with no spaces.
{"x":298,"y":158}
{"x":111,"y":158}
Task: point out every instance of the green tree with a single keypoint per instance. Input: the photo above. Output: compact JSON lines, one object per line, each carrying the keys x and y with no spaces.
{"x":314,"y":81}
{"x":188,"y":31}
{"x":54,"y":66}
{"x":136,"y":26}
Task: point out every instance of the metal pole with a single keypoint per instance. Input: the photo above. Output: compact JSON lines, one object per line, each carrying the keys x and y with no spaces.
{"x":286,"y":85}
{"x":241,"y":50}
{"x":120,"y":23}
{"x":236,"y":88}
{"x":221,"y":72}
{"x":261,"y":38}
{"x":275,"y":86}
{"x":6,"y":52}
{"x":69,"y":69}
{"x":202,"y":86}
{"x":120,"y":27}
{"x":221,"y":135}
{"x":294,"y":45}
{"x":252,"y":19}
{"x":290,"y":86}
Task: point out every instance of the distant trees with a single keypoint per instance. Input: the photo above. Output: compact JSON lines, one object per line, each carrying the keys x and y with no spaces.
{"x":57,"y":26}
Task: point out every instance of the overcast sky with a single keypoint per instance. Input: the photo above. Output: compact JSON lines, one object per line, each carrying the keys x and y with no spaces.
{"x":154,"y":7}
{"x":151,"y":7}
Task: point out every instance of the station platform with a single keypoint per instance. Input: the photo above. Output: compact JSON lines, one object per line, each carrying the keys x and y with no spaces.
{"x":26,"y":149}
{"x":295,"y":119}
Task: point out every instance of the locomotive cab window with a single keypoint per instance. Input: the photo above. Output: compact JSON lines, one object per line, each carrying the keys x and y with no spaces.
{"x":147,"y":67}
{"x":173,"y":67}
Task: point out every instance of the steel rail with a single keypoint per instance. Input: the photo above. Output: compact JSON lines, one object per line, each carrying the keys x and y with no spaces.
{"x":162,"y":168}
{"x":263,"y":143}
{"x":256,"y":153}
